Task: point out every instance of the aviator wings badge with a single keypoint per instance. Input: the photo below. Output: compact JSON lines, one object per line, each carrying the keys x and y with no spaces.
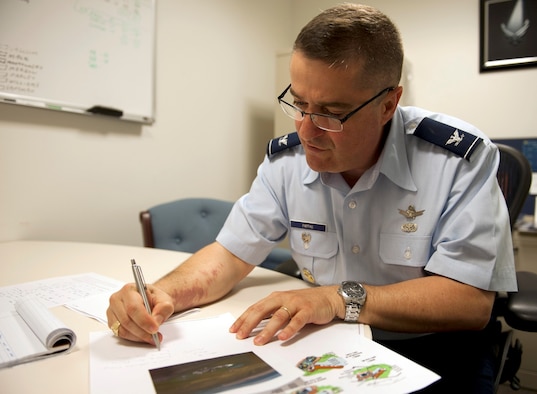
{"x":410,"y":214}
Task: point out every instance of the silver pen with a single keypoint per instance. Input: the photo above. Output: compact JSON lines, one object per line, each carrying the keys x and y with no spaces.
{"x":142,"y":288}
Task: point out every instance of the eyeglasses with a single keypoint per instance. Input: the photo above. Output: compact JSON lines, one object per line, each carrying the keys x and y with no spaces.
{"x":323,"y":121}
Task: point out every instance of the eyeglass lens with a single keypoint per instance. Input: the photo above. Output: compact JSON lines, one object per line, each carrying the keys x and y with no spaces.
{"x":327,"y":123}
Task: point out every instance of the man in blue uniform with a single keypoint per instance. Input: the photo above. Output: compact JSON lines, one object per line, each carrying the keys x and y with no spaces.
{"x":395,"y":214}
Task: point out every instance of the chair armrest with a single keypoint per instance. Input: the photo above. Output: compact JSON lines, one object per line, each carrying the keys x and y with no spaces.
{"x":521,"y":311}
{"x":147,"y":229}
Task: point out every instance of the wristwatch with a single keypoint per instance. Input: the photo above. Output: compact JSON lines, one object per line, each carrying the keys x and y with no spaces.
{"x":354,"y":295}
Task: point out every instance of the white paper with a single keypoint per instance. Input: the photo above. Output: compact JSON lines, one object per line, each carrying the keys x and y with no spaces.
{"x":121,"y":366}
{"x":93,"y":306}
{"x":59,"y":290}
{"x":533,"y":185}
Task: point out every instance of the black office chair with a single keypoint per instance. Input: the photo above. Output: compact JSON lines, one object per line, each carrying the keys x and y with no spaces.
{"x":514,"y":178}
{"x":519,"y":310}
{"x":188,"y":225}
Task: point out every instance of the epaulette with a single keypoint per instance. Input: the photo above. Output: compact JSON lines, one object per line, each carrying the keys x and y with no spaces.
{"x":282,"y":143}
{"x":457,"y":141}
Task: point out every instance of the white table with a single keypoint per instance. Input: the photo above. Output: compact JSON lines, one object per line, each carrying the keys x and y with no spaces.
{"x":25,"y":261}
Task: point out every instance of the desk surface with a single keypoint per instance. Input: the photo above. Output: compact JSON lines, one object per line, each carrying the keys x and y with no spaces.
{"x":25,"y":261}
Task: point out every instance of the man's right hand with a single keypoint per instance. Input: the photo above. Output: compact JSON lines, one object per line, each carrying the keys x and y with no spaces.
{"x":135,"y":323}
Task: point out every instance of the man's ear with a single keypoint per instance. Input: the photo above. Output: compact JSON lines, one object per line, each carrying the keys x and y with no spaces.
{"x":390,"y":103}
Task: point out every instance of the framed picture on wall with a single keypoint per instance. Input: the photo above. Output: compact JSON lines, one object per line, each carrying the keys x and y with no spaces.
{"x":508,"y":34}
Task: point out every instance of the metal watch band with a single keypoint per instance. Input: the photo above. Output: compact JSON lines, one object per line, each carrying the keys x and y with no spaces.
{"x":352,"y":312}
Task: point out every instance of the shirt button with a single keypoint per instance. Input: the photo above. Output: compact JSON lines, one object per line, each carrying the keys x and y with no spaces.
{"x":355,"y":249}
{"x":352,"y":204}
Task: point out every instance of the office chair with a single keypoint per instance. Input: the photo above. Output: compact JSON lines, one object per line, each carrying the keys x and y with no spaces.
{"x":519,"y":310}
{"x":188,"y":225}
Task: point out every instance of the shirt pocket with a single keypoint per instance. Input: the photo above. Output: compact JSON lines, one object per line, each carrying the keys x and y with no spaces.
{"x":316,"y":244}
{"x":410,"y":251}
{"x":315,"y":253}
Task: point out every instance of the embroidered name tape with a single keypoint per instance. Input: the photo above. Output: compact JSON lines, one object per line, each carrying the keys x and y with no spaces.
{"x":308,"y":226}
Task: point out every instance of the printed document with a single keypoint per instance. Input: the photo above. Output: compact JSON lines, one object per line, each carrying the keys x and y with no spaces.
{"x":201,"y":356}
{"x":85,"y":293}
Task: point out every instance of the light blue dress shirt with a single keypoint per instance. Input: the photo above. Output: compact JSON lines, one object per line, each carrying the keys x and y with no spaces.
{"x":420,"y":210}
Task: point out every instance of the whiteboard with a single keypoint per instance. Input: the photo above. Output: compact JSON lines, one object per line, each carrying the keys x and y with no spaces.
{"x":93,"y":57}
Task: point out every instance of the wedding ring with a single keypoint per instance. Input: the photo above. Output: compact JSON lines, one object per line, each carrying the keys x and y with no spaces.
{"x":287,"y":310}
{"x":115,"y":328}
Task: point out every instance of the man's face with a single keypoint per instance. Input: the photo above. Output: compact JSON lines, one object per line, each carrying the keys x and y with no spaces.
{"x":317,"y":87}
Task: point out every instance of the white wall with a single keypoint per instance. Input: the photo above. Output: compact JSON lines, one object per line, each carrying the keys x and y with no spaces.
{"x":67,"y":177}
{"x":70,"y":177}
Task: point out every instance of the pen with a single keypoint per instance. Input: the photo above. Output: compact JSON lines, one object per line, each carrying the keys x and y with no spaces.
{"x":140,"y":284}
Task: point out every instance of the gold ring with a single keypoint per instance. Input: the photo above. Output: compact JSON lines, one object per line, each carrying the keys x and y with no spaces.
{"x":115,"y":328}
{"x":287,"y":310}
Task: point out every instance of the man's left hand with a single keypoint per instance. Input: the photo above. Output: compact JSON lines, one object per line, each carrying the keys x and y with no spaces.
{"x":289,"y":311}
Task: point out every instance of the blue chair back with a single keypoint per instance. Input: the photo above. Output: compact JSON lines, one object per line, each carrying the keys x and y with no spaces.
{"x":188,"y":225}
{"x":185,"y":225}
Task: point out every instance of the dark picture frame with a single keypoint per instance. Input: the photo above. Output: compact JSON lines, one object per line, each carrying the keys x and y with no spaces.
{"x":508,"y":34}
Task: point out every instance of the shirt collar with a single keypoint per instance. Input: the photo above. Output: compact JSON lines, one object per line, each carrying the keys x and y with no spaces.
{"x":394,"y":160}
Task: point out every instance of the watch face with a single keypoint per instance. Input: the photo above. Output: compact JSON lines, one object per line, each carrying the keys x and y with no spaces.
{"x":353,"y":290}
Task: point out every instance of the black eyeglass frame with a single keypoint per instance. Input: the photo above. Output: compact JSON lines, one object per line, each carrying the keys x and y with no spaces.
{"x":341,"y":120}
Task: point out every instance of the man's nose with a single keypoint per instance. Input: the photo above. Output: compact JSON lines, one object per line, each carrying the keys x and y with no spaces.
{"x":307,"y":128}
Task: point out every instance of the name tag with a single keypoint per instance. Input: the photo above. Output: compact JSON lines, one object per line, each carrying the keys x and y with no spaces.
{"x":308,"y":226}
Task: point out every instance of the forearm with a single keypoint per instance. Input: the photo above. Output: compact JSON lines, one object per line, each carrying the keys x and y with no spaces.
{"x":206,"y":276}
{"x":430,"y":304}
